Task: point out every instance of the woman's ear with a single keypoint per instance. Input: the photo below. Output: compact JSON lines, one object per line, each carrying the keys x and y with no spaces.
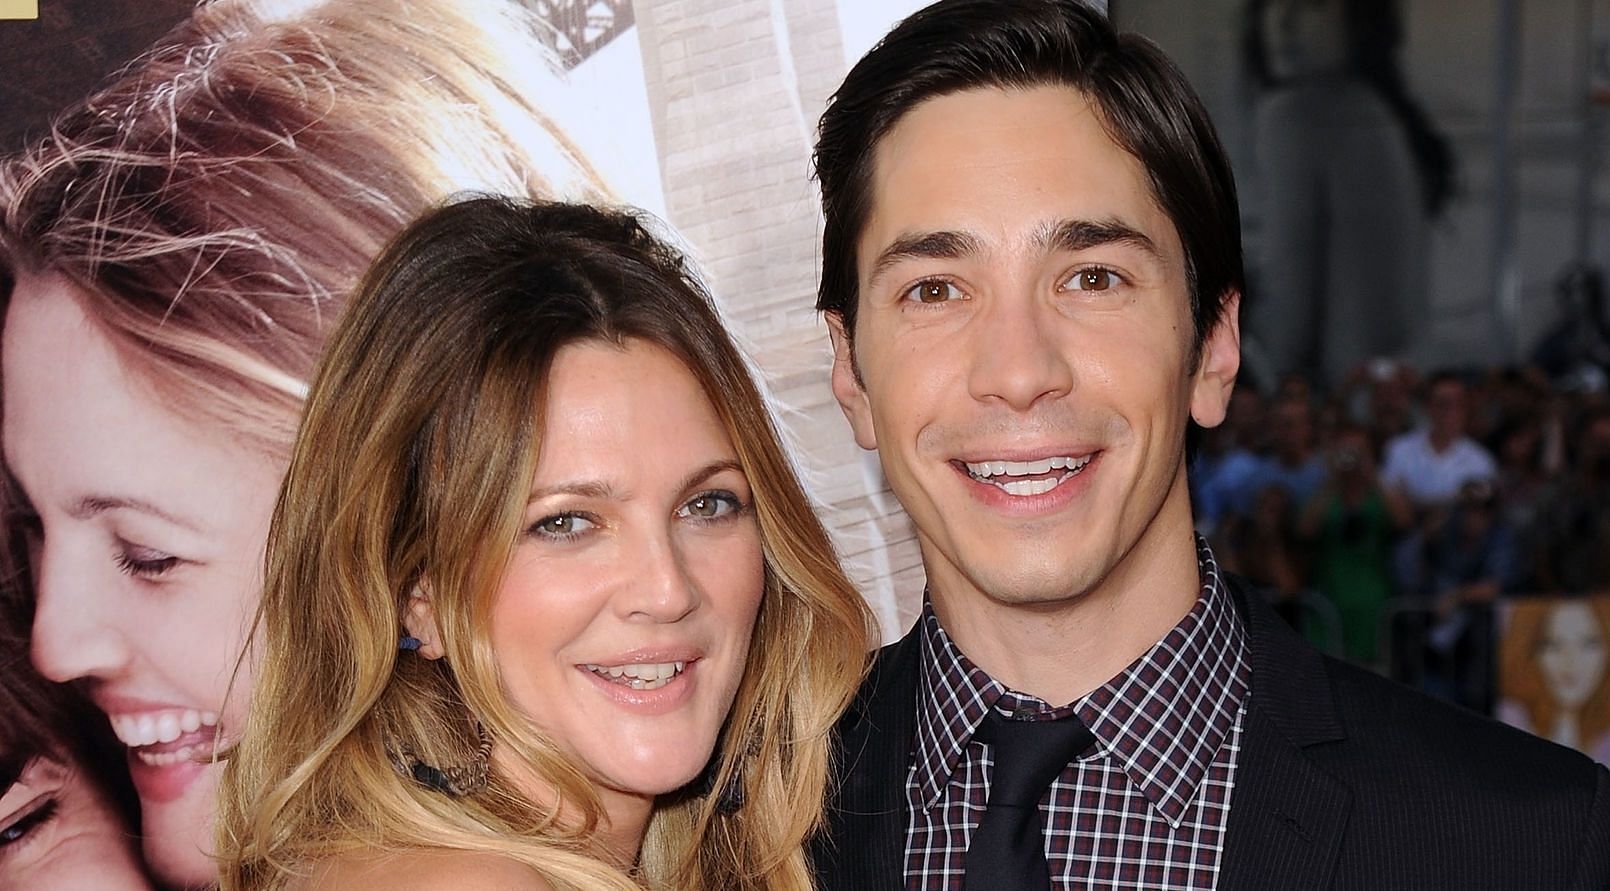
{"x":419,"y":617}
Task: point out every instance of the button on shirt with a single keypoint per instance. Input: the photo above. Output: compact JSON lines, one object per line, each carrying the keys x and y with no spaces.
{"x":1145,"y":807}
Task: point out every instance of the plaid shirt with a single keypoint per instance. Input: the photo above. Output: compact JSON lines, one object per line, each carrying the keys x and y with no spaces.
{"x":1146,"y":807}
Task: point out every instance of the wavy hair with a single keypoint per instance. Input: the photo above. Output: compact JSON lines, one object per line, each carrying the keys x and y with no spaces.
{"x":1521,"y":679}
{"x":431,"y":395}
{"x":217,"y":201}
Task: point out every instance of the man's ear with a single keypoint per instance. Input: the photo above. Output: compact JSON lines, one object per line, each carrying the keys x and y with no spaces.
{"x":847,"y":387}
{"x":419,"y":617}
{"x":1219,"y":360}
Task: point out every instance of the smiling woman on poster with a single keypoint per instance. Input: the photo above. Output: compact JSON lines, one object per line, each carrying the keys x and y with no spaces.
{"x":173,"y":255}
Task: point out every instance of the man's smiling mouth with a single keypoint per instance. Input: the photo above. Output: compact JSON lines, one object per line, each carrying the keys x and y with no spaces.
{"x":1025,"y":478}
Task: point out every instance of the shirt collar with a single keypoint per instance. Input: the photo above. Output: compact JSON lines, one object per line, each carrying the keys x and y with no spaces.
{"x":1161,"y":720}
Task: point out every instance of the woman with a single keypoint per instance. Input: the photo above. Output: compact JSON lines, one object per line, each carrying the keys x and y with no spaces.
{"x":63,"y":826}
{"x":1554,"y":672}
{"x":1352,"y":523}
{"x":188,"y":235}
{"x":533,"y":452}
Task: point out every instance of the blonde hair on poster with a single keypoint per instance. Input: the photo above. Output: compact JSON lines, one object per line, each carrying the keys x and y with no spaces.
{"x":218,"y":200}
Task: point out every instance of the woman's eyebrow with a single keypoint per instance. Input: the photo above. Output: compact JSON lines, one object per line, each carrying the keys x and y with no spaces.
{"x":583,"y":488}
{"x":709,"y":470}
{"x":90,"y":505}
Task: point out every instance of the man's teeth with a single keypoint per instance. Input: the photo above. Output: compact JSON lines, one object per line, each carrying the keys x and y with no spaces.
{"x":151,"y":728}
{"x":988,"y":471}
{"x":640,"y":675}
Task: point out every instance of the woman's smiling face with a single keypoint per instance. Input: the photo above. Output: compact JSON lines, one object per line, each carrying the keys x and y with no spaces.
{"x":622,"y":626}
{"x":147,"y":533}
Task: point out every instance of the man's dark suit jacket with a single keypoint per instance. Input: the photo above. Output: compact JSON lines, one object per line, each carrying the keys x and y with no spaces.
{"x":1344,"y":781}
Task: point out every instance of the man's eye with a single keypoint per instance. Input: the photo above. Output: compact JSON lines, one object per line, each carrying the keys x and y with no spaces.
{"x":1094,"y":278}
{"x":933,"y":290}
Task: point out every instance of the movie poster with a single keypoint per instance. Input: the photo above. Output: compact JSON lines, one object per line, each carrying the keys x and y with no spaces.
{"x":164,"y":434}
{"x":1554,"y":670}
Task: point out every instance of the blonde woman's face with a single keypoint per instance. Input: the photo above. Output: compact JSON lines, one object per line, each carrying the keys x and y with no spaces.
{"x":622,"y":625}
{"x":147,"y":535}
{"x":57,"y":833}
{"x":1572,"y":654}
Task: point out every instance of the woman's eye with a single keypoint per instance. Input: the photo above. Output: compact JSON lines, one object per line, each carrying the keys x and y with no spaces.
{"x":26,"y":822}
{"x":143,"y":562}
{"x":1094,"y":278}
{"x":933,"y":290}
{"x":710,"y":505}
{"x":562,"y":526}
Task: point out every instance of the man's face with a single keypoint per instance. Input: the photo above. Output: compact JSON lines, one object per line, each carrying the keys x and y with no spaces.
{"x":1024,"y":341}
{"x":1448,"y":409}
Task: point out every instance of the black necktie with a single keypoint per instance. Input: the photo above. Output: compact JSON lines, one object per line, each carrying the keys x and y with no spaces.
{"x":1007,"y":852}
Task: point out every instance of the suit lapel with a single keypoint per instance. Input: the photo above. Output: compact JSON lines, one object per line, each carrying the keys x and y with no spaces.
{"x":1287,"y":816}
{"x":864,"y":845}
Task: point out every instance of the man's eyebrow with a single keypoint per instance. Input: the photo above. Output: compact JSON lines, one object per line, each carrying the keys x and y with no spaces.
{"x":944,"y":245}
{"x":1079,"y":235}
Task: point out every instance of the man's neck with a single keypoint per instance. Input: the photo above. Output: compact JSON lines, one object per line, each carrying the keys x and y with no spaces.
{"x":1061,"y":651}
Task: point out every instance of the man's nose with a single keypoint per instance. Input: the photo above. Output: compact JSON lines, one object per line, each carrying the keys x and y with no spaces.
{"x":1016,"y":359}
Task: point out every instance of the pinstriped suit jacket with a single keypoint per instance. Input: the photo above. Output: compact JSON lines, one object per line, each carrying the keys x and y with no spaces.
{"x":1344,"y":781}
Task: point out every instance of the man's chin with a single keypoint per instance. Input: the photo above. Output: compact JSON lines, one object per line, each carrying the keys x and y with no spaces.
{"x":1030,"y":587}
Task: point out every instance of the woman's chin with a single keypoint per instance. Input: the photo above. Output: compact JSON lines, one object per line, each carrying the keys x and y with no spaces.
{"x":178,"y":828}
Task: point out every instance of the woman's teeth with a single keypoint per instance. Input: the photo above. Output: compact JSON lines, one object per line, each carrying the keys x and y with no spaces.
{"x":1019,"y":477}
{"x":156,"y":728}
{"x":639,"y":675}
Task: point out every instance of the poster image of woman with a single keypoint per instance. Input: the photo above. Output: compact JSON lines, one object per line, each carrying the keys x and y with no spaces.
{"x":173,"y":255}
{"x":65,"y":812}
{"x":1554,"y":671}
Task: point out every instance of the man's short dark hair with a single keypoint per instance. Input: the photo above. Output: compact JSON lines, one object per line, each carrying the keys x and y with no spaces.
{"x":1148,"y":107}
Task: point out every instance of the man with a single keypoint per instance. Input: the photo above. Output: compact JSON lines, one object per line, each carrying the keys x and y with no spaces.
{"x":1031,"y":279}
{"x":1294,"y":464}
{"x":1432,"y":464}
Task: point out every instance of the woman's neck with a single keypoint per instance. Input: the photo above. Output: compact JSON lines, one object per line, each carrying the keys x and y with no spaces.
{"x":621,"y":825}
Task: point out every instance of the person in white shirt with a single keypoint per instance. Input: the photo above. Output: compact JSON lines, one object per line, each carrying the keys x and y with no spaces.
{"x":1431,"y":463}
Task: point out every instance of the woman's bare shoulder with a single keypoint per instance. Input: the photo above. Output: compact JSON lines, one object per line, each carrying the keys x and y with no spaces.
{"x":423,"y":871}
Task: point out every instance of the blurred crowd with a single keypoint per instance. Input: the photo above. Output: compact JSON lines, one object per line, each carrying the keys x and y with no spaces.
{"x":1387,"y":517}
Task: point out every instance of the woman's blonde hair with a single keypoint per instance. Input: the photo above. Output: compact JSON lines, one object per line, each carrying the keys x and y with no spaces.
{"x":216,"y":201}
{"x":414,"y":463}
{"x":1521,"y":680}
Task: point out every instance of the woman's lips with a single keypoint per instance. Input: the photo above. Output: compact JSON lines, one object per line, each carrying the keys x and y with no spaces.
{"x":163,"y":771}
{"x":652,"y":691}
